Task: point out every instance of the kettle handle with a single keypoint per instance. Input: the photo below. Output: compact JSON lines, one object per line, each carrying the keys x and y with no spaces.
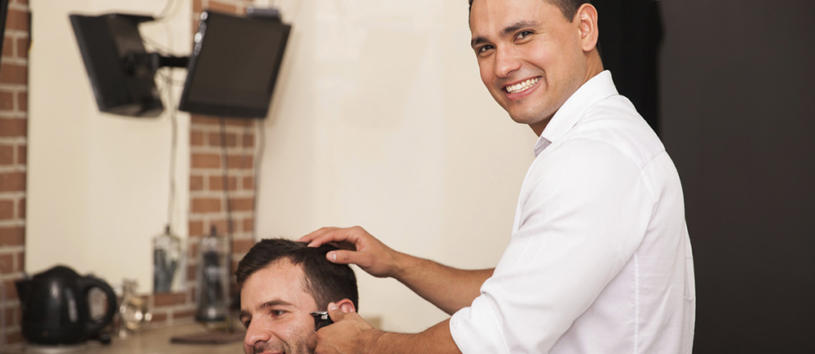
{"x":89,"y":283}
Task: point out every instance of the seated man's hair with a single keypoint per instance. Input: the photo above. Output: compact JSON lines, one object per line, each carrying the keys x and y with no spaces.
{"x":325,"y":281}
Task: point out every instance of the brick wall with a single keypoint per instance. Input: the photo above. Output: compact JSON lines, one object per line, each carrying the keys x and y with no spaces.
{"x":13,"y":146}
{"x":208,"y":207}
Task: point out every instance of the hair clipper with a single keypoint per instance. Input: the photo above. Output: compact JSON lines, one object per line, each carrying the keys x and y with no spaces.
{"x":321,"y":319}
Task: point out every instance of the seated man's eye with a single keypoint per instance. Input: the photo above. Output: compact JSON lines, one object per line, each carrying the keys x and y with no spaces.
{"x":277,"y":313}
{"x":246,"y":324}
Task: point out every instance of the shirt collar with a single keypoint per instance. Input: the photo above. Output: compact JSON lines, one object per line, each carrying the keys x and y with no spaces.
{"x":600,"y":87}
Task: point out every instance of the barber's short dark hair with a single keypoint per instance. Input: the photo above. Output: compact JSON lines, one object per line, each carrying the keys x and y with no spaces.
{"x":325,"y":281}
{"x":567,"y":7}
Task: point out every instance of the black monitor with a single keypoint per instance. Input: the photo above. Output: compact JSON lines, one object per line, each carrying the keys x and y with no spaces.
{"x":110,"y":45}
{"x":234,"y":65}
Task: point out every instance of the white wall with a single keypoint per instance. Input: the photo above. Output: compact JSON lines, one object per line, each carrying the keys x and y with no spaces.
{"x":98,"y":184}
{"x":380,"y":120}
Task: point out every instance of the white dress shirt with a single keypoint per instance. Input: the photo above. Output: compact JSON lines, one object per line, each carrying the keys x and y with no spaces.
{"x":599,"y":260}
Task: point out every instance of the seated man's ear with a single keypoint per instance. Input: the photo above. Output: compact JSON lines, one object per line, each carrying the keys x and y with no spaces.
{"x":346,"y":306}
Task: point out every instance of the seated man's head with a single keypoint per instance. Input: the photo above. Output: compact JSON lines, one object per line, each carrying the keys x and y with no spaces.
{"x":281,"y":283}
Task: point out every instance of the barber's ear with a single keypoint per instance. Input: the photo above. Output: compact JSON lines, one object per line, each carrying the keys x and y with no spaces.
{"x":586,"y":18}
{"x":346,"y":306}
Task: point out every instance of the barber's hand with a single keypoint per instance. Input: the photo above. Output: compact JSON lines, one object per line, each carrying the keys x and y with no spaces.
{"x":349,"y":334}
{"x":358,"y":247}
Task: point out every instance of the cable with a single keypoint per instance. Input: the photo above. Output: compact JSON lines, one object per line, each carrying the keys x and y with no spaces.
{"x":173,"y":146}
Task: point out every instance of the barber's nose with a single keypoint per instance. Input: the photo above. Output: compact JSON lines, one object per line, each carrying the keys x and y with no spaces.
{"x":506,"y":61}
{"x":256,"y":333}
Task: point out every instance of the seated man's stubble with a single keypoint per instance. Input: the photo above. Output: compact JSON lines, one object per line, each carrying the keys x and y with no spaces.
{"x":277,"y":298}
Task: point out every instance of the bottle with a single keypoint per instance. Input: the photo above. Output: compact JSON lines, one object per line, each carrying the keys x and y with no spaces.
{"x":168,"y":263}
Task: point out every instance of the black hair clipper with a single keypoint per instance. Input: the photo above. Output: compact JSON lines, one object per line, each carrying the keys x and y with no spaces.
{"x":321,"y":319}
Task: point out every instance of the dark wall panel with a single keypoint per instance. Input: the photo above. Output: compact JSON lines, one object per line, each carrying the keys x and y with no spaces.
{"x":737,"y":112}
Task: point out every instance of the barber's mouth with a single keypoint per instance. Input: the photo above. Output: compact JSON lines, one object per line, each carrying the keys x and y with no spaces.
{"x":522,"y":86}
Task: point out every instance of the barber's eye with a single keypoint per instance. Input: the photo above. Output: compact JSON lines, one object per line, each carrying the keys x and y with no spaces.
{"x":277,"y":313}
{"x":523,"y":34}
{"x":246,"y":324}
{"x":483,"y":49}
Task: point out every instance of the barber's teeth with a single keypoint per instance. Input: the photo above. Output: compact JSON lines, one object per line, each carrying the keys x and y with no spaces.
{"x":522,"y":85}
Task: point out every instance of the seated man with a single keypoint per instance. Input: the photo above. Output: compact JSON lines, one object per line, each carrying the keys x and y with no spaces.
{"x":281,"y":283}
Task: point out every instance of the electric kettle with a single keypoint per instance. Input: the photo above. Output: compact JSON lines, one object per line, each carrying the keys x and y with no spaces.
{"x":56,"y":310}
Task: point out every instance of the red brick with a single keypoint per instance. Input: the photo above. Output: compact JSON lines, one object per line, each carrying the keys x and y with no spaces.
{"x":13,"y":316}
{"x":11,"y":290}
{"x":197,"y":7}
{"x":12,"y":236}
{"x":215,"y":139}
{"x":158,"y":318}
{"x":205,"y":120}
{"x":196,"y":138}
{"x":13,"y":74}
{"x":6,"y":263}
{"x":8,"y":47}
{"x":183,"y":315}
{"x":12,"y":182}
{"x":240,"y":162}
{"x":191,"y":272}
{"x":196,"y":183}
{"x":6,"y":100}
{"x":169,"y":299}
{"x":22,"y":154}
{"x":22,"y":47}
{"x":220,"y":227}
{"x":17,"y":20}
{"x":6,"y":210}
{"x":222,"y":7}
{"x":242,"y":246}
{"x":196,"y":228}
{"x":216,"y":183}
{"x":20,"y":262}
{"x":206,"y":161}
{"x":249,"y":183}
{"x":22,"y":101}
{"x":21,"y":208}
{"x":11,"y":127}
{"x":248,"y":140}
{"x":242,"y":204}
{"x":248,"y":225}
{"x":6,"y":154}
{"x":14,"y":337}
{"x":239,"y":122}
{"x":206,"y":205}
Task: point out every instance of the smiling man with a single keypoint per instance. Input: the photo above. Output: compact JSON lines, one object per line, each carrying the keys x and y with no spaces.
{"x":281,"y":283}
{"x":599,"y":259}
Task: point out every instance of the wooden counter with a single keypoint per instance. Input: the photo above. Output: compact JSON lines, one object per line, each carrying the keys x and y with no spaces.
{"x":152,"y":341}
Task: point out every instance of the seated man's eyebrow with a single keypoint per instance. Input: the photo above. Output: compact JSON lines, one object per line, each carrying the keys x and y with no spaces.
{"x":272,"y":303}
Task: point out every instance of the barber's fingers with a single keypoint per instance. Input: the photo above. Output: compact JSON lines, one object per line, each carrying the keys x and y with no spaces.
{"x":316,"y":234}
{"x":351,"y":238}
{"x":347,"y":257}
{"x":311,"y":342}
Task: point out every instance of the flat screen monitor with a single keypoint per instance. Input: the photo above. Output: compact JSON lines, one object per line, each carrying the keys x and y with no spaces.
{"x":234,"y":65}
{"x":106,"y":43}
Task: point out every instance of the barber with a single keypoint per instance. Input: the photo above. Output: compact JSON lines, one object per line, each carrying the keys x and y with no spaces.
{"x":599,"y":259}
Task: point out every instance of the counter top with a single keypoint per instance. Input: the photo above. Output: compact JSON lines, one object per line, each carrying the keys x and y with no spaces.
{"x":151,"y":341}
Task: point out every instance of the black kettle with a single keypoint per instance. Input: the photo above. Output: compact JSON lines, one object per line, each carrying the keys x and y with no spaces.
{"x":56,"y":310}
